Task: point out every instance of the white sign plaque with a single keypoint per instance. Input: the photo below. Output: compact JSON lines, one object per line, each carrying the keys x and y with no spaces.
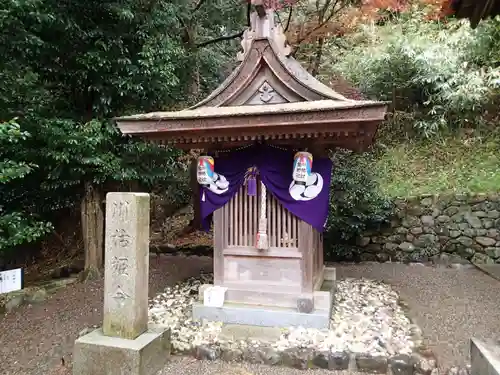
{"x":214,"y":296}
{"x":11,"y":280}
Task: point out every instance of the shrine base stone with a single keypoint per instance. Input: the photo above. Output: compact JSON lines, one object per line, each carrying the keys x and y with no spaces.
{"x":261,"y":316}
{"x":485,"y":358}
{"x":97,"y":354}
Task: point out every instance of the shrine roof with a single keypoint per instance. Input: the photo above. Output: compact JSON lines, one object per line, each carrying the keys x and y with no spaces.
{"x":263,"y":109}
{"x":268,"y":95}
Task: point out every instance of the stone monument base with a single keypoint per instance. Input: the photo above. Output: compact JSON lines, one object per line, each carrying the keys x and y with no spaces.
{"x":97,"y":354}
{"x":485,"y":358}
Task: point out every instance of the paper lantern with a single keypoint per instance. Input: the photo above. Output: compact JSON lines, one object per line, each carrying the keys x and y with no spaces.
{"x":302,"y":166}
{"x":205,"y":170}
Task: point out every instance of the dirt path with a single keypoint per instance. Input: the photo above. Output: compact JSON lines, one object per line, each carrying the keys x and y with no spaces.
{"x":35,"y":338}
{"x":450,"y":305}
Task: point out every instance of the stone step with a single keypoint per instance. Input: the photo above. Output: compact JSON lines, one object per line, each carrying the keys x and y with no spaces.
{"x":485,"y":357}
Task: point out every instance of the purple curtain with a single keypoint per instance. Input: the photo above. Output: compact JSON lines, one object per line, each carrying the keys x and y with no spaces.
{"x":309,"y":202}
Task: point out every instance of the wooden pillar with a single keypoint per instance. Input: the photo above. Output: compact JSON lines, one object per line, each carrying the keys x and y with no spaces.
{"x":219,"y":242}
{"x":305,"y":304}
{"x":321,"y":251}
{"x":195,"y":197}
{"x":306,"y":247}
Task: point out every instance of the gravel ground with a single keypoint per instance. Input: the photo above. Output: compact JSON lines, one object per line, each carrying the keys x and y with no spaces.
{"x":449,"y":305}
{"x":191,"y":366}
{"x":366,"y":318}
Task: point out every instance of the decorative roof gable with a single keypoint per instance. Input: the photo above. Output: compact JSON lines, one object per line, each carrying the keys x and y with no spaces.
{"x":266,"y":63}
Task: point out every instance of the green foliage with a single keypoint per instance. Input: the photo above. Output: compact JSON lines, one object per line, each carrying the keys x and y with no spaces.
{"x":485,"y":49}
{"x":452,"y":165}
{"x":11,"y":134}
{"x":355,"y":204}
{"x":443,"y":76}
{"x":67,"y":67}
{"x":69,"y":153}
{"x":105,"y":57}
{"x":16,"y":227}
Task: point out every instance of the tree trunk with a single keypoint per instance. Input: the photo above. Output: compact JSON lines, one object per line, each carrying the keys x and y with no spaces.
{"x":194,"y":86}
{"x":92,"y":215}
{"x":317,"y":57}
{"x":195,"y":198}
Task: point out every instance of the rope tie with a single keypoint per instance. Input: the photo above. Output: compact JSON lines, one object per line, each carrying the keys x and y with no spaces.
{"x":262,"y":240}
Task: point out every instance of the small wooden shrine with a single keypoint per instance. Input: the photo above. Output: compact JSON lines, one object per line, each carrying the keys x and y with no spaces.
{"x":270,"y":100}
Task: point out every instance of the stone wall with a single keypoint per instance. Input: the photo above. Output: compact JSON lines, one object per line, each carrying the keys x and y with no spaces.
{"x":442,"y":229}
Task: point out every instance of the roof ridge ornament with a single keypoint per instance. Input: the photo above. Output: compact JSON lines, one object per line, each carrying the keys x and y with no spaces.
{"x":264,"y":28}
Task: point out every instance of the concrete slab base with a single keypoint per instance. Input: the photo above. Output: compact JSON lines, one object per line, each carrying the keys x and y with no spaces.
{"x":330,"y":274}
{"x":485,"y":358}
{"x":96,"y":354}
{"x":263,"y":316}
{"x":492,"y":270}
{"x":269,"y":309}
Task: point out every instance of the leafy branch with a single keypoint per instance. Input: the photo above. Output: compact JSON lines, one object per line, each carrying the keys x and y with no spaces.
{"x":221,"y":39}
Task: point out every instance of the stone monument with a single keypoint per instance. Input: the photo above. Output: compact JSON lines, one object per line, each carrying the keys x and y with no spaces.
{"x":125,"y":345}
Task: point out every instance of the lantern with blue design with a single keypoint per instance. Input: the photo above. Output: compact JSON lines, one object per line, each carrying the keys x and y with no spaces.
{"x":302,"y":167}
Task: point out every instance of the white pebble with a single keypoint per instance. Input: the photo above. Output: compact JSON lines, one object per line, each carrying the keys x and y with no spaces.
{"x":366,"y":318}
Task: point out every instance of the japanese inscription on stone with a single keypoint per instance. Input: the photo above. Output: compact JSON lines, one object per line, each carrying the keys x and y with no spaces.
{"x":120,"y":296}
{"x":119,"y":265}
{"x":121,"y":210}
{"x":127,"y":264}
{"x":121,"y":238}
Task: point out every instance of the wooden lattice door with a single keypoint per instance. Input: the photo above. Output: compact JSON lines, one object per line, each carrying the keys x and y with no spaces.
{"x":241,"y":218}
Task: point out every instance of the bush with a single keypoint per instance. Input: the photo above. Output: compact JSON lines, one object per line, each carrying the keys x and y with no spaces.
{"x":438,"y":73}
{"x":16,"y":225}
{"x":355,"y":205}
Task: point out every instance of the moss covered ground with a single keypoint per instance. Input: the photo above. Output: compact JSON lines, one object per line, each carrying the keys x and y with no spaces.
{"x":443,"y":166}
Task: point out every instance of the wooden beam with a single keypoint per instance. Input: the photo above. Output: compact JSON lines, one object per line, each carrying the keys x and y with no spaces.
{"x":348,"y":143}
{"x":248,"y":125}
